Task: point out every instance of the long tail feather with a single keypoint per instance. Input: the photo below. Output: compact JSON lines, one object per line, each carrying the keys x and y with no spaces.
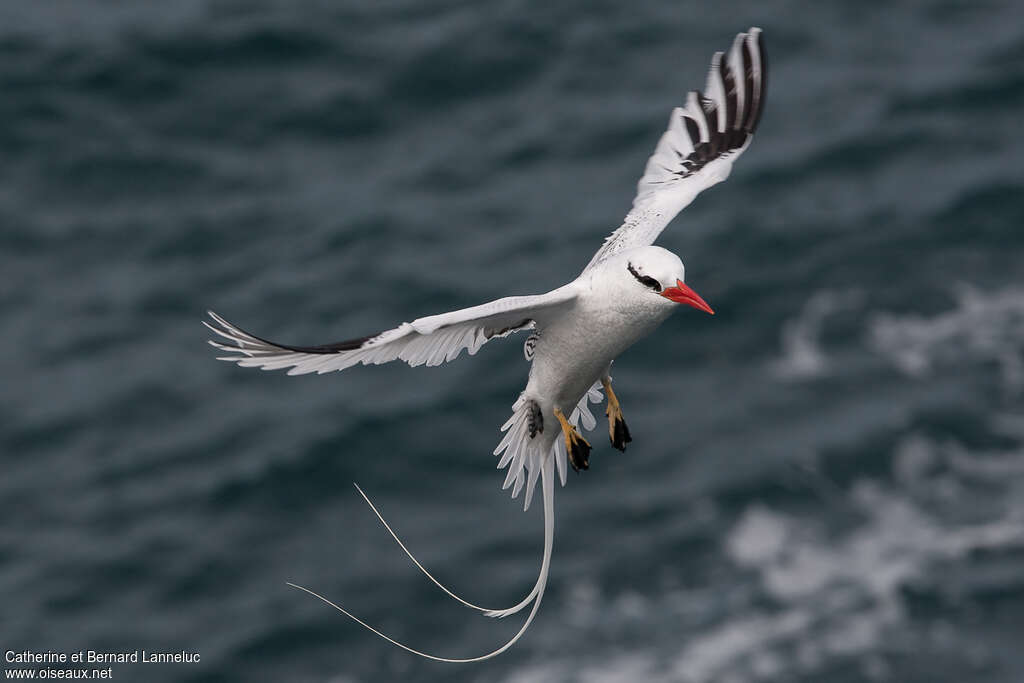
{"x":548,"y":486}
{"x":547,"y":475}
{"x":491,"y":612}
{"x":519,"y":452}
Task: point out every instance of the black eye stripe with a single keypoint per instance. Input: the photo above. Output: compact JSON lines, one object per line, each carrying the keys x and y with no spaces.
{"x":645,"y":280}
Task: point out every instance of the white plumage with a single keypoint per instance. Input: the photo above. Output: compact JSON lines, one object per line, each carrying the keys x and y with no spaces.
{"x":624,"y":293}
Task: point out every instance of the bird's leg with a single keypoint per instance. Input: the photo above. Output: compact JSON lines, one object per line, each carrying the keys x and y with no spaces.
{"x":576,"y":446}
{"x":617,"y":429}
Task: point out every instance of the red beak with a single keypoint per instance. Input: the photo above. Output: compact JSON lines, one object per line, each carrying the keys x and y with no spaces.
{"x":682,"y":294}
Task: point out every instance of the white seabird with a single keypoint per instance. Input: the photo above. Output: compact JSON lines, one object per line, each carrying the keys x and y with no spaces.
{"x":626,"y":291}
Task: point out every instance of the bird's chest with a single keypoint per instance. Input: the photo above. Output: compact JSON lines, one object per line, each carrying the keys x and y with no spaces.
{"x":572,"y":353}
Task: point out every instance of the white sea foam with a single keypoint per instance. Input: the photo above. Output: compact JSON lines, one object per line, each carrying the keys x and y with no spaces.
{"x":842,"y":596}
{"x":815,"y":596}
{"x":983,"y":327}
{"x":802,"y":353}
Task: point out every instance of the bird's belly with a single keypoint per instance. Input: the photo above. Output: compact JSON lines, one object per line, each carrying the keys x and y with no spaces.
{"x":570,"y":357}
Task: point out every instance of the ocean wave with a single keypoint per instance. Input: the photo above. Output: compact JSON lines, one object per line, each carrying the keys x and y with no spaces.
{"x":983,"y":327}
{"x":803,"y":355}
{"x":816,"y":599}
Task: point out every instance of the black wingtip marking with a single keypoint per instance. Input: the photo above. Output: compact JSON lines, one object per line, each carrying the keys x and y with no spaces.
{"x":710,"y":111}
{"x":729,"y":88}
{"x":764,"y":80}
{"x":693,"y":130}
{"x":740,"y":122}
{"x":748,"y":84}
{"x":347,"y":345}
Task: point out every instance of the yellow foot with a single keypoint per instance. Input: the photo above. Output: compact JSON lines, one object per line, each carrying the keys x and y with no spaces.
{"x":576,"y":446}
{"x":618,"y":432}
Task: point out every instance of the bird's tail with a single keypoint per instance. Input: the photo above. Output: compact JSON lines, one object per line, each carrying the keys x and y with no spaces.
{"x":523,"y":457}
{"x":527,"y":461}
{"x":520,"y":452}
{"x":547,"y":476}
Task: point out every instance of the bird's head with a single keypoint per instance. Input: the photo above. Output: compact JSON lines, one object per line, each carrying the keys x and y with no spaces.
{"x":659,"y":272}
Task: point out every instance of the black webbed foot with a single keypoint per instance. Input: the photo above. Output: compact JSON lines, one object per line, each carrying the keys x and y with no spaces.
{"x":576,"y":447}
{"x":620,"y":433}
{"x":579,"y":451}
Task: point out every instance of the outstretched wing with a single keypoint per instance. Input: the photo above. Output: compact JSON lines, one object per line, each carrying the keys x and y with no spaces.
{"x":701,"y":143}
{"x":433,"y":340}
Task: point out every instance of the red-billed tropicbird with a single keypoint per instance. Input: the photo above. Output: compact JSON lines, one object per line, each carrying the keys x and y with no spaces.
{"x":627,"y":290}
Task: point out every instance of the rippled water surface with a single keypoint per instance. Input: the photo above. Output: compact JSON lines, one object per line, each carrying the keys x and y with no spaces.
{"x":826,"y":481}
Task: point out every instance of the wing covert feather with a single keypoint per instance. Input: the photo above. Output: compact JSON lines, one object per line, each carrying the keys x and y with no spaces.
{"x":432,"y":340}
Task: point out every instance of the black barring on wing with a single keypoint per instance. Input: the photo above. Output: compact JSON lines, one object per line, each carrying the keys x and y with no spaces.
{"x":234,"y":332}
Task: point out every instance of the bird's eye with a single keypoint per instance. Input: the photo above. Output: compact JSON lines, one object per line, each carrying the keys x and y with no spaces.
{"x":645,"y":280}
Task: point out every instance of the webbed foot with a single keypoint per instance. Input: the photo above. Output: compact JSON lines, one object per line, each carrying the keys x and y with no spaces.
{"x":576,"y":446}
{"x":618,"y":432}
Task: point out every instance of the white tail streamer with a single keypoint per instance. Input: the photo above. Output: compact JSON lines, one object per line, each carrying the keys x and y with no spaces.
{"x":520,"y":451}
{"x":548,"y":488}
{"x":486,"y":610}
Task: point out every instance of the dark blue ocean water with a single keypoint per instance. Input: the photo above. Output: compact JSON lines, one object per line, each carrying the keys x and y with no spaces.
{"x":826,"y":481}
